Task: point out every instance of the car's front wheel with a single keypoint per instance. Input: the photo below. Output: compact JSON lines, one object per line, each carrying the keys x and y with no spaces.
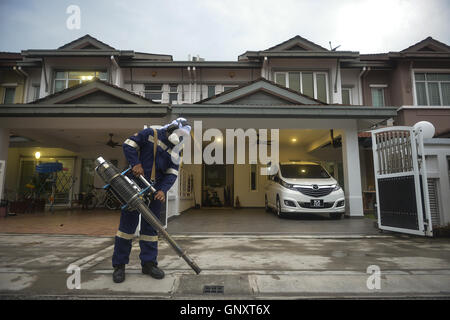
{"x":266,"y":204}
{"x":278,"y":210}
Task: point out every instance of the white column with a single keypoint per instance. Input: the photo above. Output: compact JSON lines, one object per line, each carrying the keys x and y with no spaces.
{"x":4,"y":145}
{"x":352,"y":172}
{"x":173,"y":200}
{"x":444,"y":188}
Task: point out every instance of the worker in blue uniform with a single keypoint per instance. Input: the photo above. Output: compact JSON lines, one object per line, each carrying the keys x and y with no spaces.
{"x":139,"y":151}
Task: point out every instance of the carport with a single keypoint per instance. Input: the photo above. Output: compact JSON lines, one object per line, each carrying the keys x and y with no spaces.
{"x":308,"y":130}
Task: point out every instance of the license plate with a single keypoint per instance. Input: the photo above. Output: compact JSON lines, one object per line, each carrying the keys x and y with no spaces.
{"x":317,"y":203}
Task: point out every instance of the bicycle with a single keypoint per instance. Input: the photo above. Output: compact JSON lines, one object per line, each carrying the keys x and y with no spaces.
{"x":96,"y":198}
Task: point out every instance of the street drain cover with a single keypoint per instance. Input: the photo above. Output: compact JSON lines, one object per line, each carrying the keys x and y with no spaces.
{"x":213,"y":289}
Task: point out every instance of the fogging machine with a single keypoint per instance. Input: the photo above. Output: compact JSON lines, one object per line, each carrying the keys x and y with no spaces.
{"x":133,"y":197}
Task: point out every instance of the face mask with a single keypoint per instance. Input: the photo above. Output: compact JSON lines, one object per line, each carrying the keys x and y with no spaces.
{"x":180,"y":123}
{"x":174,"y":139}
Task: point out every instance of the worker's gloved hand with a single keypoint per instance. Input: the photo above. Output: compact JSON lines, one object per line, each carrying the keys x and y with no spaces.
{"x":138,"y":170}
{"x":160,"y":196}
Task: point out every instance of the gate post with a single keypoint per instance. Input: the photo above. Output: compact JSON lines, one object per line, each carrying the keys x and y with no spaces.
{"x":4,"y":145}
{"x":352,"y":173}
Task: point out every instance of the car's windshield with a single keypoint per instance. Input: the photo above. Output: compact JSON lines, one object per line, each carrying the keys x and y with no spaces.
{"x":303,"y":171}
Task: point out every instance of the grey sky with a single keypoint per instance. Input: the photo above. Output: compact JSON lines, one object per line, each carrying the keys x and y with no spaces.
{"x":221,"y":30}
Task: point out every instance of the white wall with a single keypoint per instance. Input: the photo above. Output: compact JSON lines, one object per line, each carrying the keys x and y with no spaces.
{"x":437,"y":154}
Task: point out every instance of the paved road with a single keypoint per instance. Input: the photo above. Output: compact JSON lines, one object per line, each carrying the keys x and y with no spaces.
{"x":250,"y":267}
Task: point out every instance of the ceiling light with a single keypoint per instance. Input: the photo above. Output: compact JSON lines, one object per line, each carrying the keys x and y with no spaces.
{"x":294,"y":139}
{"x":37,"y":155}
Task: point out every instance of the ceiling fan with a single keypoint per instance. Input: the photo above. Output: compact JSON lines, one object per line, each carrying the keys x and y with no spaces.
{"x":112,"y":143}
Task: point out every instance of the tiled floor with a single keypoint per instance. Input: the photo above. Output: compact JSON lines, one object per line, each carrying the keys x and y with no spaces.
{"x":83,"y":222}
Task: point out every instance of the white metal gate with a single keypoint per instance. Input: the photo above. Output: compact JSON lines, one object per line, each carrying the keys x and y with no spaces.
{"x":401,"y":181}
{"x":434,"y":202}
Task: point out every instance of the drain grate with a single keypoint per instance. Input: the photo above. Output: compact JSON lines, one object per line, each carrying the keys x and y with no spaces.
{"x":213,"y":289}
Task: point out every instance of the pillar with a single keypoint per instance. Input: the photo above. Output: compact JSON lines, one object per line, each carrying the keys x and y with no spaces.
{"x":4,"y":145}
{"x":352,"y":172}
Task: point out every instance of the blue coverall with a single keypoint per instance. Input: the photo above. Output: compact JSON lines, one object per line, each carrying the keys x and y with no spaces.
{"x":139,"y":149}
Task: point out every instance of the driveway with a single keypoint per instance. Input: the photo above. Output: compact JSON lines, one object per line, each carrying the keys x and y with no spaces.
{"x":258,"y":221}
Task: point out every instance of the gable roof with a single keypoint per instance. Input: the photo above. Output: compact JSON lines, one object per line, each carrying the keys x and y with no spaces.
{"x":297,"y":43}
{"x":429,"y":45}
{"x":88,"y":46}
{"x":251,"y":92}
{"x":298,"y":47}
{"x":90,"y":89}
{"x":86,"y":42}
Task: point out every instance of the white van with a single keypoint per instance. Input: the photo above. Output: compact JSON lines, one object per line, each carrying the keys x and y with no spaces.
{"x":300,"y":187}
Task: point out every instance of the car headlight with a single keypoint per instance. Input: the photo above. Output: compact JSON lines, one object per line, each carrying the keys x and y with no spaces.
{"x":287,"y":185}
{"x":336,"y":187}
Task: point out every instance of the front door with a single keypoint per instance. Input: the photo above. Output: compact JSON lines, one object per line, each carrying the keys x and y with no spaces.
{"x":217,"y":189}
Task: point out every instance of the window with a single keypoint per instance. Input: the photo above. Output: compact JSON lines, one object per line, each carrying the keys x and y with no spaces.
{"x":226,"y":88}
{"x":312,"y":84}
{"x":10,"y":93}
{"x":303,"y":171}
{"x":347,"y":96}
{"x":432,"y":89}
{"x":307,"y":84}
{"x":153,"y":92}
{"x":36,"y":89}
{"x":280,"y":78}
{"x":211,"y":91}
{"x":253,"y":178}
{"x":67,"y":79}
{"x":377,"y":92}
{"x":321,"y":83}
{"x":173,"y":93}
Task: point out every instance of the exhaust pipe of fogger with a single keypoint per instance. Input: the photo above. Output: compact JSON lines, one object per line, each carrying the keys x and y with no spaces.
{"x":130,"y":194}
